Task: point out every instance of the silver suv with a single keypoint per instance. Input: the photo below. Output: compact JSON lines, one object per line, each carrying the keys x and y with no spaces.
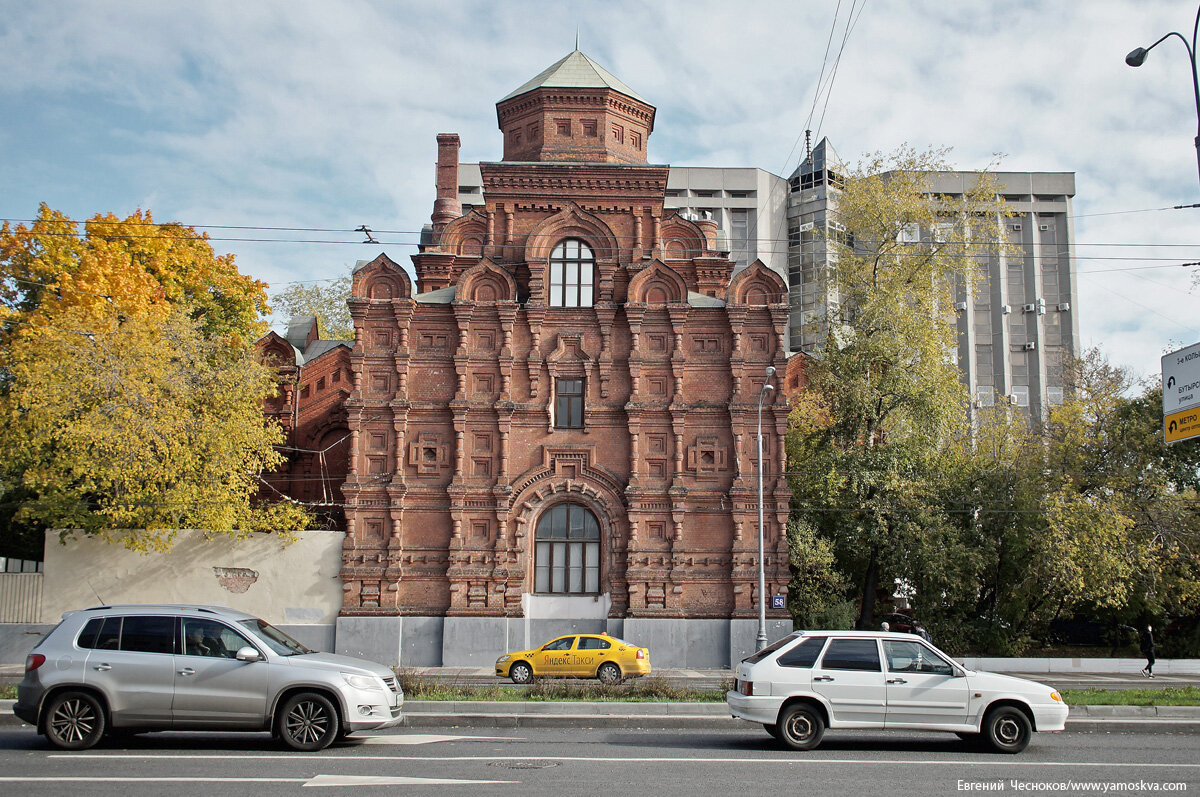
{"x":126,"y":669}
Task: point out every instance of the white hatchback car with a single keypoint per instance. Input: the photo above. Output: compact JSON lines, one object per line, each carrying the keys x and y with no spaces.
{"x":812,"y":680}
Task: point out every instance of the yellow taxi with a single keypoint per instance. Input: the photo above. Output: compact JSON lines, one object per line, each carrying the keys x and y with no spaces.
{"x":576,"y":656}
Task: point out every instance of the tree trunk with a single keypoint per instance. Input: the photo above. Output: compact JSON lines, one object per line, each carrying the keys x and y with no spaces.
{"x":866,"y":618}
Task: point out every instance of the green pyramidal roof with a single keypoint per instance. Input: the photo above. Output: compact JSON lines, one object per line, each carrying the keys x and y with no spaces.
{"x":576,"y":70}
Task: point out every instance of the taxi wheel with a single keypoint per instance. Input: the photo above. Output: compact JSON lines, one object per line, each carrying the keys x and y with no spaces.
{"x":609,"y":673}
{"x":521,"y":673}
{"x":1007,"y":729}
{"x":801,"y":727}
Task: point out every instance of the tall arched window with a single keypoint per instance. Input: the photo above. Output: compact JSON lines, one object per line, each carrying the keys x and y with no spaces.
{"x":572,"y":271}
{"x":568,"y":551}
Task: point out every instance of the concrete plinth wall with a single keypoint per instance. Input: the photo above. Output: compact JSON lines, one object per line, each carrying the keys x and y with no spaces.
{"x":295,"y":586}
{"x":478,"y":641}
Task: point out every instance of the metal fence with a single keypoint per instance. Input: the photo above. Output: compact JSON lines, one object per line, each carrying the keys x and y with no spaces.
{"x":20,"y":597}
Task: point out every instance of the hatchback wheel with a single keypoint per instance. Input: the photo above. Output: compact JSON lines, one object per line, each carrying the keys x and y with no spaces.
{"x":74,"y":721}
{"x":1007,"y":729}
{"x":521,"y":673}
{"x":801,"y":727}
{"x":308,"y":722}
{"x":609,"y":673}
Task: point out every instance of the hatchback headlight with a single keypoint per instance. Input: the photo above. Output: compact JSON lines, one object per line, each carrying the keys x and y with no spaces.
{"x":361,"y":681}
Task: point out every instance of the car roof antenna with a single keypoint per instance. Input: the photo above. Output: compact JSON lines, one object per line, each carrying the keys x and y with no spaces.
{"x":93,"y":589}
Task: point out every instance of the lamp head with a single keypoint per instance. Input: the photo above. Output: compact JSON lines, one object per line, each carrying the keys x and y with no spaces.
{"x":768,"y":387}
{"x":770,"y":370}
{"x":1137,"y":57}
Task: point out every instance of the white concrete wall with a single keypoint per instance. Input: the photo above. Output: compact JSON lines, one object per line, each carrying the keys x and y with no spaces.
{"x":285,"y":584}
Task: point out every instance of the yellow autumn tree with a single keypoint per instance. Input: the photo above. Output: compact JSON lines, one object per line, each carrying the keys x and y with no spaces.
{"x":130,"y":396}
{"x":133,"y":424}
{"x":134,"y":266}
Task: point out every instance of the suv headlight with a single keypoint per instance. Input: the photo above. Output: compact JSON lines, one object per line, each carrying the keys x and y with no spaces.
{"x":361,"y":681}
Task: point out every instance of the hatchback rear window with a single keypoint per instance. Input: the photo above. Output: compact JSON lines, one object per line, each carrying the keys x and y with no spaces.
{"x":803,"y":655}
{"x":755,"y":658}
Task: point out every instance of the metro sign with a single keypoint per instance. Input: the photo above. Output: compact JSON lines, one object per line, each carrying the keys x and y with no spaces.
{"x":1181,"y":394}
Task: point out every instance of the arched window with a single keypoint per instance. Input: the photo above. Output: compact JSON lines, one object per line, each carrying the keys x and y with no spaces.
{"x":572,"y":271}
{"x":568,"y":551}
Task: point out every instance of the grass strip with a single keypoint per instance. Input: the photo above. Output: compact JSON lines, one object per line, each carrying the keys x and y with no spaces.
{"x":638,"y":690}
{"x":1169,"y":696}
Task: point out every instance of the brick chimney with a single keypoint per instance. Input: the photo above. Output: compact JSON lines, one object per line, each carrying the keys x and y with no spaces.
{"x":446,"y":208}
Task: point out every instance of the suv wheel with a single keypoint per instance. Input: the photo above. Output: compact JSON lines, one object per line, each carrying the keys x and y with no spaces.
{"x":801,"y":727}
{"x":74,"y":721}
{"x":308,"y":722}
{"x":1007,"y":729}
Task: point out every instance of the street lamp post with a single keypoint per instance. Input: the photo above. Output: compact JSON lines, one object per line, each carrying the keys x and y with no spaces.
{"x":761,"y":640}
{"x":1138,"y":57}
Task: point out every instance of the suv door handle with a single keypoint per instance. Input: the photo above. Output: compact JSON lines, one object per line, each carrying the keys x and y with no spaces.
{"x":822,"y":677}
{"x":103,"y":667}
{"x":897,"y":681}
{"x":187,"y":671}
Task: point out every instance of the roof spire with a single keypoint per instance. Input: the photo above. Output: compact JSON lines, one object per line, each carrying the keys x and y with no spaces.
{"x":576,"y":38}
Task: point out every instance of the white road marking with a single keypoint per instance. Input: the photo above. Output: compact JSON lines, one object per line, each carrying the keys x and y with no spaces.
{"x":127,"y":779}
{"x":374,"y":780}
{"x":428,"y":738}
{"x":789,"y":761}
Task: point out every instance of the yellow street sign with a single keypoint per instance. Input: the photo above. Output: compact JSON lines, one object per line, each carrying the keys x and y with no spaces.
{"x":1182,"y":425}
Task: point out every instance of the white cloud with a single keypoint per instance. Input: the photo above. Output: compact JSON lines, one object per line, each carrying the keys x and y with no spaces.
{"x":311,"y":114}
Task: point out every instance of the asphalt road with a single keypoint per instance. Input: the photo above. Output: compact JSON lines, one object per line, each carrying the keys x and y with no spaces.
{"x":528,"y":762}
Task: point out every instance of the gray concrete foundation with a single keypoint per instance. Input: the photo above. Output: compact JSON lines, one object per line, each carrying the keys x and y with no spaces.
{"x":317,"y":636}
{"x":374,"y":638}
{"x":742,"y":635}
{"x":478,"y":641}
{"x":17,"y":639}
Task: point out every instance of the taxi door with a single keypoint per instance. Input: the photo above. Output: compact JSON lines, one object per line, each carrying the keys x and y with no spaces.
{"x":590,"y":653}
{"x":554,"y":658}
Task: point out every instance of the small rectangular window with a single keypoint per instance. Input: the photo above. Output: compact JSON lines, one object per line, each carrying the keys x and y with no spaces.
{"x":568,"y":403}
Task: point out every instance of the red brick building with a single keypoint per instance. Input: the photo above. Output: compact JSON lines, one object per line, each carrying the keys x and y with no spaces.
{"x":554,"y":428}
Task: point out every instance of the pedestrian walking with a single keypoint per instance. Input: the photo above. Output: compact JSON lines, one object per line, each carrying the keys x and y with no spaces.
{"x":920,"y":630}
{"x":1146,"y":642}
{"x":885,"y":626}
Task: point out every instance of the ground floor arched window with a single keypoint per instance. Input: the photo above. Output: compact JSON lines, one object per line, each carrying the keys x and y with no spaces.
{"x":567,"y":553}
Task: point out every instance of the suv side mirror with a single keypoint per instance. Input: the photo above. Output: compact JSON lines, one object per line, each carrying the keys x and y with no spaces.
{"x":248,"y":654}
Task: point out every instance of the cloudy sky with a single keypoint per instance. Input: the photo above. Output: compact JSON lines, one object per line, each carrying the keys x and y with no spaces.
{"x":322,"y":116}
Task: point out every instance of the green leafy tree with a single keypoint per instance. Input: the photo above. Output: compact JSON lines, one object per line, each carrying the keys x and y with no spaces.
{"x":865,"y":441}
{"x":326,"y":300}
{"x":141,"y":426}
{"x":1090,"y":514}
